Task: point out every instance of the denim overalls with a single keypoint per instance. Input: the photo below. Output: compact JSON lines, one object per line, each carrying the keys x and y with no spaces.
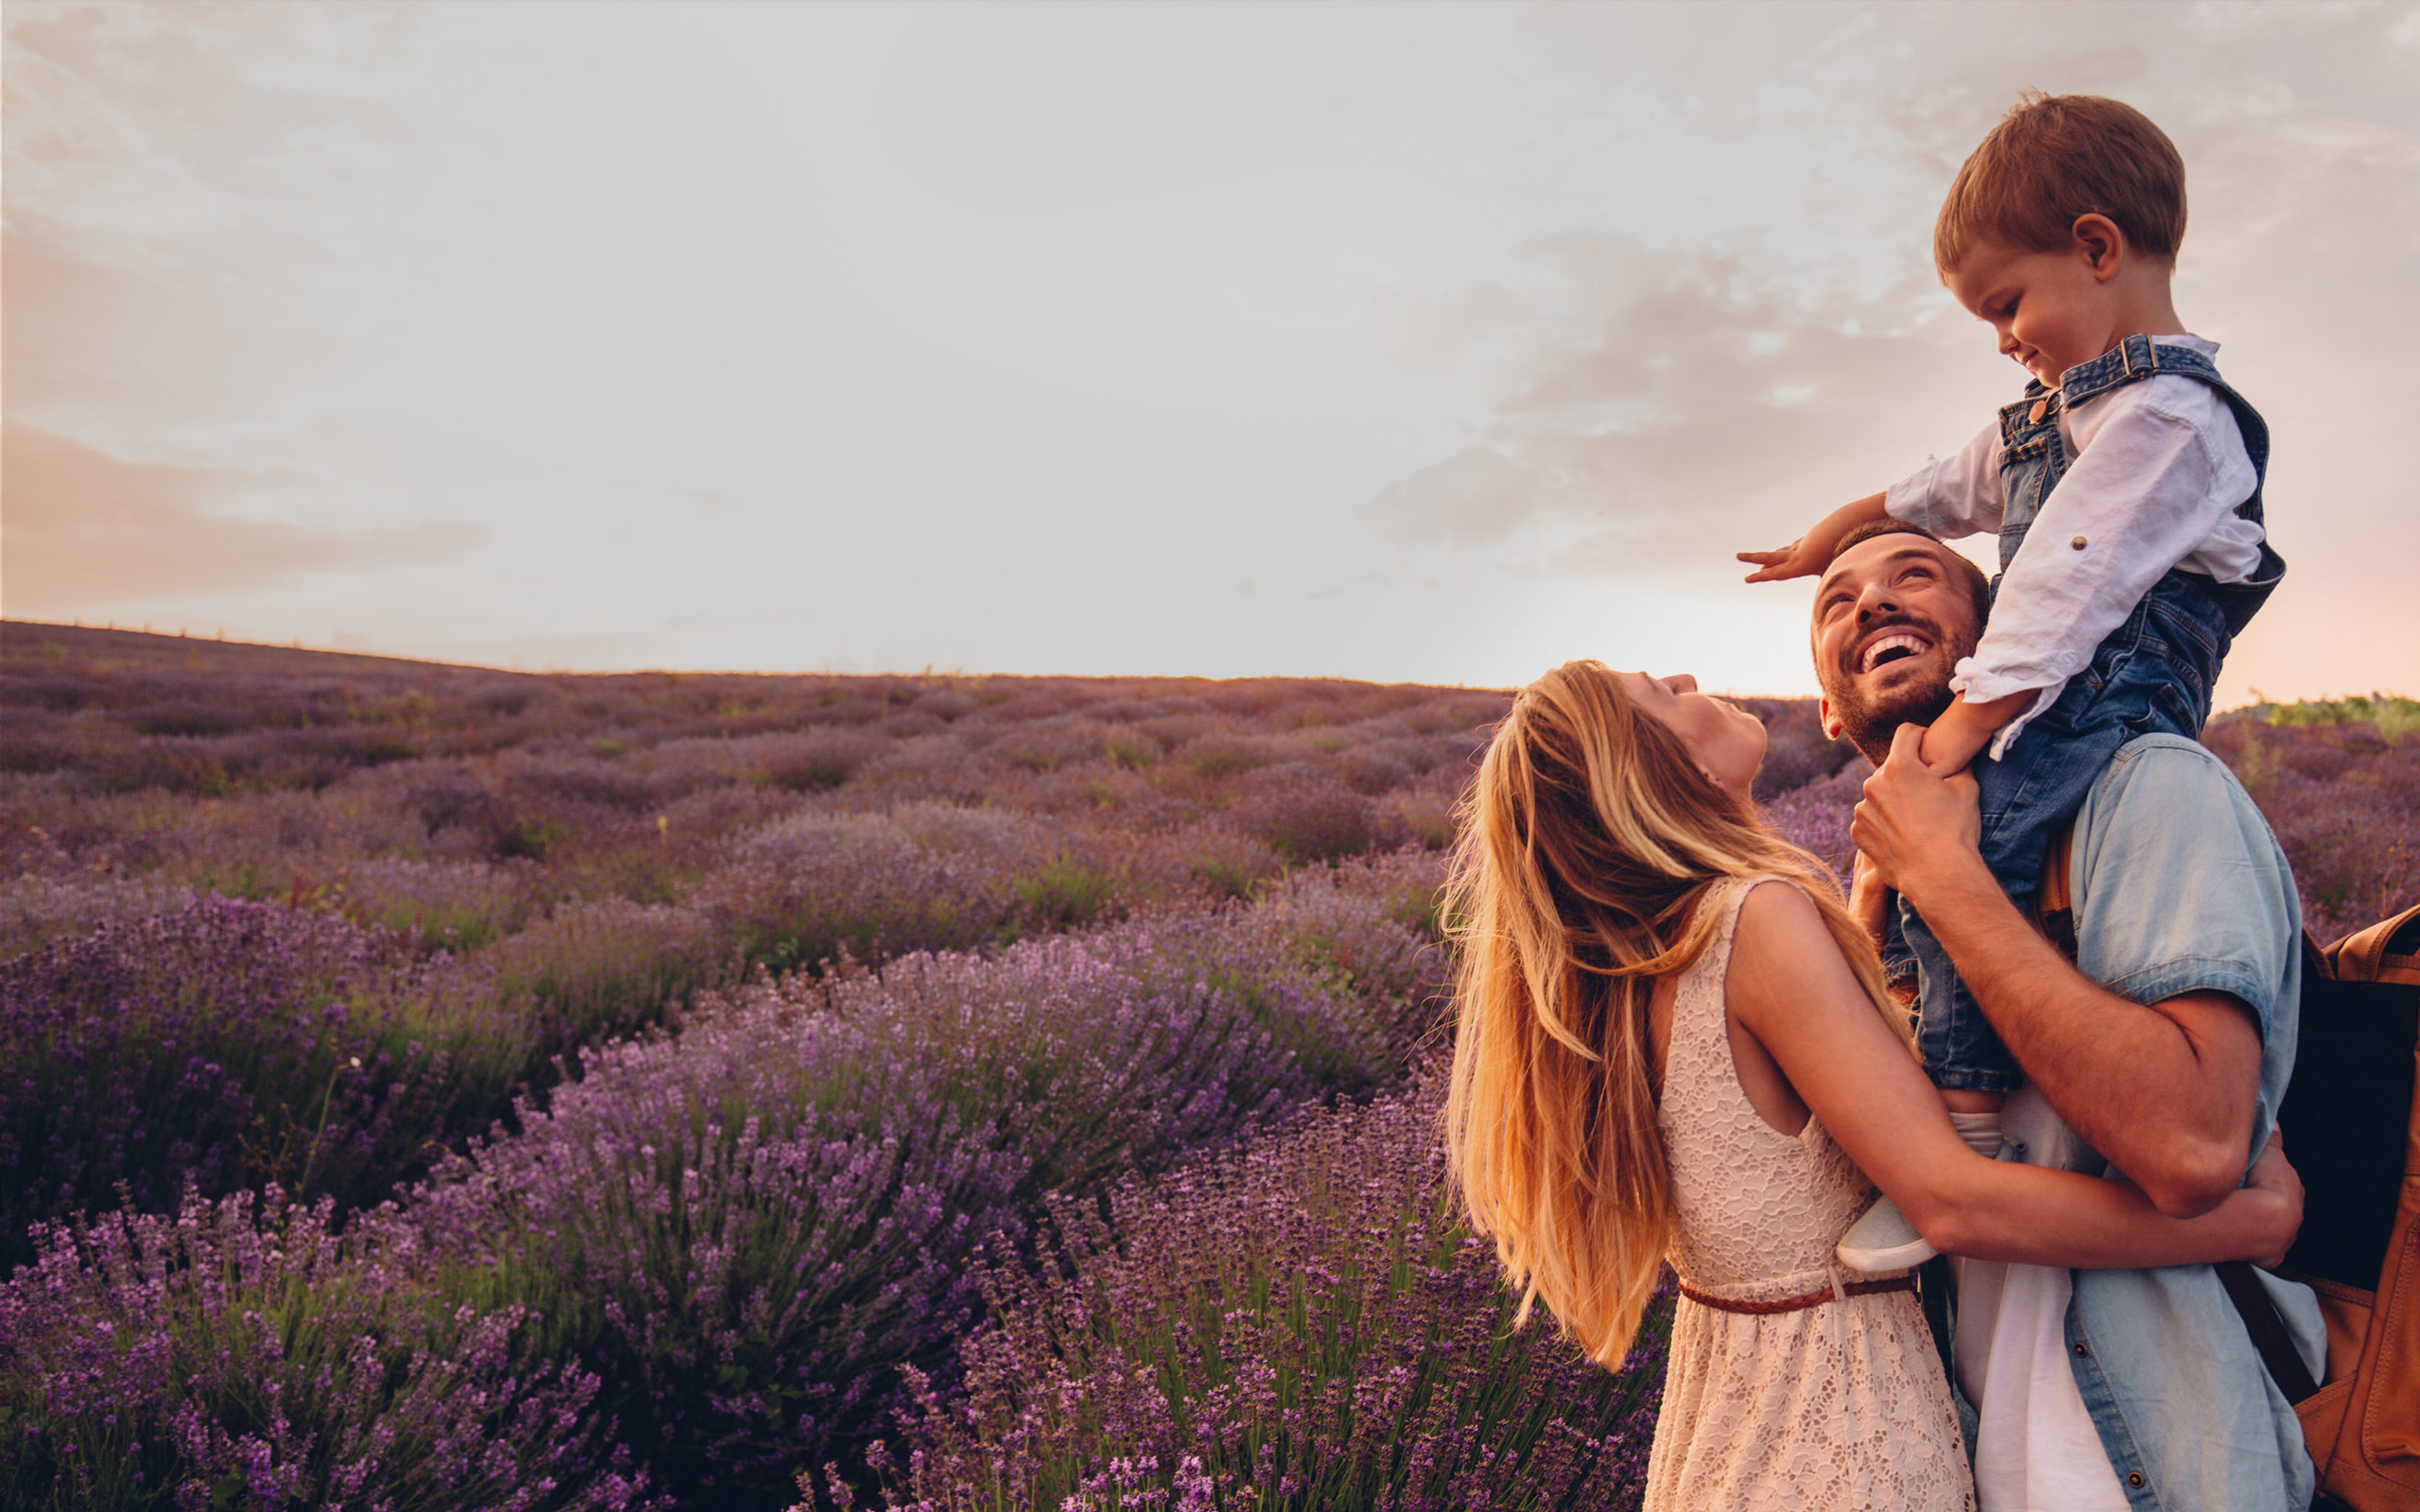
{"x":2153,"y":673}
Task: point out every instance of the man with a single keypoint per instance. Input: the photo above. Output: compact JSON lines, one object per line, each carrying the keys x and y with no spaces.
{"x":2160,"y":1054}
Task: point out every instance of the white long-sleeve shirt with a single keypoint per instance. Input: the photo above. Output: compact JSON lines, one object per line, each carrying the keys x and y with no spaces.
{"x":2158,"y":468}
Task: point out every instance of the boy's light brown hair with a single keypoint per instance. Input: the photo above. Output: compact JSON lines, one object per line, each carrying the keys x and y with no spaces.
{"x":2054,"y":157}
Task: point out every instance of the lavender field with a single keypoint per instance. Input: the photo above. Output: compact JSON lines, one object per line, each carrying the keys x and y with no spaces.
{"x":429,"y":1087}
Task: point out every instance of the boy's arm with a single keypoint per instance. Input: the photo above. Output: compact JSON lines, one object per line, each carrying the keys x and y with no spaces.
{"x":1952,"y":497}
{"x":1812,"y":552}
{"x":1965,"y":728}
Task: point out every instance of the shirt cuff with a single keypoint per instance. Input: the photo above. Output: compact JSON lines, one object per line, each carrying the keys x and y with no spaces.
{"x":1976,"y":684}
{"x":1909,"y":500}
{"x":2173,"y":979}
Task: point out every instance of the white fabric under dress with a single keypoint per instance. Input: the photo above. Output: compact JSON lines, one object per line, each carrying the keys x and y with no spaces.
{"x":1838,"y":1406}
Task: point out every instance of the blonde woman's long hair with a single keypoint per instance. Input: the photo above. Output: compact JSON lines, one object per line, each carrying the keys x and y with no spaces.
{"x":1588,"y":845}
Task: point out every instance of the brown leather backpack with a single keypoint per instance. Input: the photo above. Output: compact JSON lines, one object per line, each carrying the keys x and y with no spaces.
{"x":2352,"y":1128}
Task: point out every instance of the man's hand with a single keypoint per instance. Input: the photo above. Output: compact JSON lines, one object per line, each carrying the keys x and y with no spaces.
{"x":1916,"y":822}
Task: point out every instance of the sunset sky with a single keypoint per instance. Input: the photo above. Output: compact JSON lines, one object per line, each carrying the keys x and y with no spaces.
{"x":1430,"y":342}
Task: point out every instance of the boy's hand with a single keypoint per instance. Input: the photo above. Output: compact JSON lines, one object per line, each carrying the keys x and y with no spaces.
{"x":1800,"y":558}
{"x":1812,"y":552}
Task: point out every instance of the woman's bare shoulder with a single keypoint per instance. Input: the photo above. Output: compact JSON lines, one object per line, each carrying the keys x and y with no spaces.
{"x":1777,"y":909}
{"x":1781,"y":948}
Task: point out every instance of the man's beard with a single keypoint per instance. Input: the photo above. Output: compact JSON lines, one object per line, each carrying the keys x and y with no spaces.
{"x":1870,"y":725}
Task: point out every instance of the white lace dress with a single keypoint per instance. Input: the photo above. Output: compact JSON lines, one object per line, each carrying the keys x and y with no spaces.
{"x":1838,"y":1405}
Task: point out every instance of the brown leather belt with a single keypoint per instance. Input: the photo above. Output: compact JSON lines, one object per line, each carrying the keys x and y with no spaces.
{"x":1796,"y":1304}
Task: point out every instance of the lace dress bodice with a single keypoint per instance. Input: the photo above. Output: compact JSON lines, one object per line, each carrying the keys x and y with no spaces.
{"x":1840,"y":1405}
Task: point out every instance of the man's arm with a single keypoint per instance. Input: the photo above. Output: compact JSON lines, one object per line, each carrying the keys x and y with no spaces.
{"x":2166,"y":1092}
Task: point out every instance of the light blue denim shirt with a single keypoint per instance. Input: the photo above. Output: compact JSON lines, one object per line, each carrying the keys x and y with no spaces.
{"x":2180,"y":888}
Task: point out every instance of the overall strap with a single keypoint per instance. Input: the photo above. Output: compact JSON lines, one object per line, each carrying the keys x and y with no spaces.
{"x":2138,"y":358}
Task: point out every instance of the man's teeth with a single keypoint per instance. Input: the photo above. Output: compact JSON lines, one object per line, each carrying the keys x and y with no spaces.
{"x":1912,"y":644}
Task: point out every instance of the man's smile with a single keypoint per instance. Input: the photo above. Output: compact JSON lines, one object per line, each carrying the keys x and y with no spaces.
{"x":1889,"y":644}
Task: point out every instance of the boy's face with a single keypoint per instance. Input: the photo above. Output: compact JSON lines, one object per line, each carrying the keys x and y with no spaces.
{"x":2052,"y":310}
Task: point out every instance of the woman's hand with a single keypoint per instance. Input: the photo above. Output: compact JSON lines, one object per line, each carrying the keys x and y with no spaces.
{"x":1869,"y":899}
{"x":2275,"y":1180}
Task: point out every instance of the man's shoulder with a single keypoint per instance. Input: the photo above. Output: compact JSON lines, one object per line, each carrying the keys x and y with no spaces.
{"x":2158,"y":771}
{"x":2179,"y":885}
{"x":2164,"y":811}
{"x":2165,"y":820}
{"x":2165,"y":752}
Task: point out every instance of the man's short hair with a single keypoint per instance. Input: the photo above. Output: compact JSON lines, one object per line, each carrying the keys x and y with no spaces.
{"x":1978,"y":586}
{"x":2054,"y":157}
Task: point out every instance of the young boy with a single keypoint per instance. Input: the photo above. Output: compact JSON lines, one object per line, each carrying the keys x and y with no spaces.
{"x":2125,"y":489}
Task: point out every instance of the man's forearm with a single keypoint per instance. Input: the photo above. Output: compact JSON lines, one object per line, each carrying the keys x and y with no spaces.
{"x":2139,"y":1083}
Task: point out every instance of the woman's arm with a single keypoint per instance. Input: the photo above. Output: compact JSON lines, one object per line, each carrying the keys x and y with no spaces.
{"x":1789,"y":989}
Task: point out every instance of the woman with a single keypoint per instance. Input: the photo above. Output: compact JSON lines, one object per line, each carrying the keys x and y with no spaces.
{"x":1673,"y":1044}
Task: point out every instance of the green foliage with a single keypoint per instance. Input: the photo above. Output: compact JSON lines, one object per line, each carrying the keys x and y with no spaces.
{"x":1129,"y":752}
{"x":808,"y":776}
{"x":2394,"y":716}
{"x":1220,"y":761}
{"x":597,"y":970}
{"x":1229,"y":874}
{"x":1065,"y":894}
{"x":531,"y":838}
{"x":2254,"y":769}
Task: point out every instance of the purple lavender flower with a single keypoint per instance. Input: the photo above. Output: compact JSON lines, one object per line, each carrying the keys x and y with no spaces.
{"x":1301,"y":1326}
{"x":757,"y":1231}
{"x":246,"y":1354}
{"x":225,"y":1044}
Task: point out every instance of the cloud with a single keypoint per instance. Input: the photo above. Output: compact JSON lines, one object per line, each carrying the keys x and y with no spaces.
{"x":1655,"y":404}
{"x":1703,"y":414}
{"x":1473,"y":496}
{"x":88,"y":530}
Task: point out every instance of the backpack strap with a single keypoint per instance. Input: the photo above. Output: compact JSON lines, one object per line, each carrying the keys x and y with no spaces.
{"x":2055,"y":903}
{"x":2388,"y":950}
{"x":2267,"y":1327}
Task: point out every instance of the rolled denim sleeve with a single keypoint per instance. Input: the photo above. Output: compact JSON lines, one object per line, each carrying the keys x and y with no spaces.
{"x":2180,"y":888}
{"x":2179,"y":885}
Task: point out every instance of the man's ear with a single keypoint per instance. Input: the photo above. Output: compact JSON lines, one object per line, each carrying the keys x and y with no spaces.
{"x":2102,"y":245}
{"x":1832,"y":726}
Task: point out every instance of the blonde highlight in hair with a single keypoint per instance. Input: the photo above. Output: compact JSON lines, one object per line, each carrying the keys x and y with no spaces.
{"x":1589,"y":845}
